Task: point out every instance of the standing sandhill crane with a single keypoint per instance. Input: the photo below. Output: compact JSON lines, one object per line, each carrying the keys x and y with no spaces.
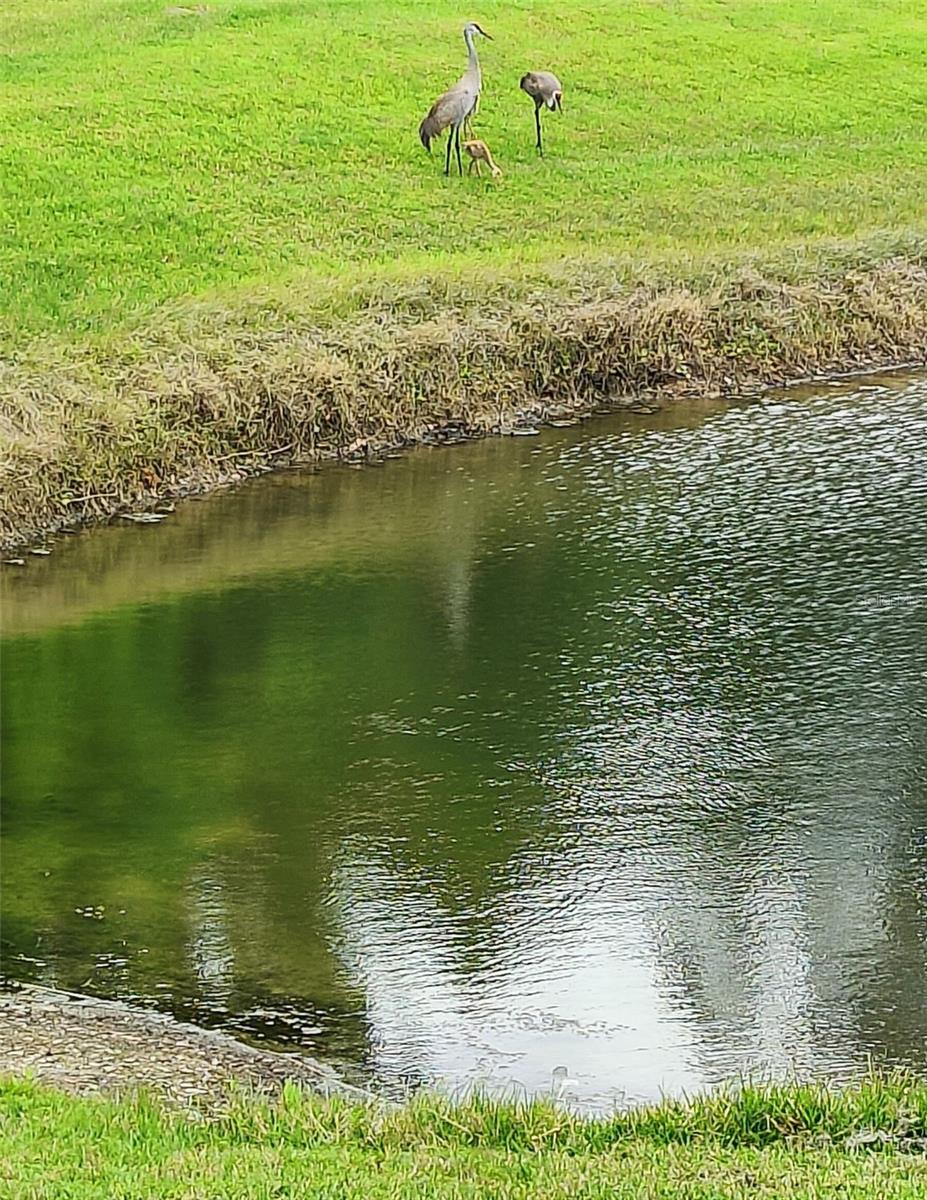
{"x":544,"y":89}
{"x":457,"y":104}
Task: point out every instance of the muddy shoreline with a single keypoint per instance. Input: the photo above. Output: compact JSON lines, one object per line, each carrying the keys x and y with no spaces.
{"x":160,"y":501}
{"x":88,"y":1047}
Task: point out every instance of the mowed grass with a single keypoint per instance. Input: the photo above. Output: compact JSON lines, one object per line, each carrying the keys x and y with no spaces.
{"x":148,"y":156}
{"x":788,"y":1143}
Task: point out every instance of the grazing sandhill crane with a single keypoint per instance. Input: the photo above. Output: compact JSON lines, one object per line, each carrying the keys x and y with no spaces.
{"x":479,"y":152}
{"x":457,"y":104}
{"x":545,"y":90}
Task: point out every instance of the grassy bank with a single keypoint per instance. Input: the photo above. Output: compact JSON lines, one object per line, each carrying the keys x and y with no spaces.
{"x":778,"y":1142}
{"x":221,"y":396}
{"x":223,"y":245}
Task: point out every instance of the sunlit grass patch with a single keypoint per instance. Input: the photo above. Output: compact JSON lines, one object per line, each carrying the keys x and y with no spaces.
{"x":152,"y":151}
{"x":772,"y":1141}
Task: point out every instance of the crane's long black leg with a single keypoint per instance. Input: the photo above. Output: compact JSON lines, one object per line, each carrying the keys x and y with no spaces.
{"x":447,"y":157}
{"x":457,"y":148}
{"x":537,"y":121}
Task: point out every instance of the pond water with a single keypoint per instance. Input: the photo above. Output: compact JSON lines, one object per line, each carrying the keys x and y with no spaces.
{"x":603,"y":749}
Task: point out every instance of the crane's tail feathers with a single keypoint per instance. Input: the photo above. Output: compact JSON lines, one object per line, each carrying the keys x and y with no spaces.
{"x":429,"y":129}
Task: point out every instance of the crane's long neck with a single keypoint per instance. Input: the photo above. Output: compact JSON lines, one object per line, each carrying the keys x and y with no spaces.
{"x":473,"y":59}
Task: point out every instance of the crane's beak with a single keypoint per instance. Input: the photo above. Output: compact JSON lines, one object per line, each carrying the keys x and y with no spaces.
{"x":486,"y":35}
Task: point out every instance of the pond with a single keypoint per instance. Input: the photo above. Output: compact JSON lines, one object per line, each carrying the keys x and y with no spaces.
{"x":604,"y":749}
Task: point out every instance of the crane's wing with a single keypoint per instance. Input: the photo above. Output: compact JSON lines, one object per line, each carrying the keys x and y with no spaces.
{"x":542,"y":86}
{"x":449,"y":109}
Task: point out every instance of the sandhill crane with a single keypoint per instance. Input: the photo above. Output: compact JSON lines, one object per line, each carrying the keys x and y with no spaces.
{"x":479,"y":152}
{"x":457,"y":104}
{"x":544,"y":89}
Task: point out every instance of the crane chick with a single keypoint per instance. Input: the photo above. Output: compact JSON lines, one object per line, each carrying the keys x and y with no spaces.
{"x":546,"y":91}
{"x":479,"y":152}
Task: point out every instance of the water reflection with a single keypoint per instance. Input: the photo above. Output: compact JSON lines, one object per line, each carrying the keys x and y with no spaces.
{"x":605,"y":749}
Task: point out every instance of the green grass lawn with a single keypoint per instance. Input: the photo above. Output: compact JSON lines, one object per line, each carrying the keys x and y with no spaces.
{"x":784,"y":1144}
{"x":148,"y":156}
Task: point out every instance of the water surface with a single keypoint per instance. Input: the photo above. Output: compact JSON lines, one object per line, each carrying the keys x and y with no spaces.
{"x":604,"y":749}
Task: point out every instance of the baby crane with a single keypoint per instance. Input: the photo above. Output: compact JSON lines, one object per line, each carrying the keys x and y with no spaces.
{"x":546,"y":91}
{"x":480,"y":153}
{"x":457,"y":104}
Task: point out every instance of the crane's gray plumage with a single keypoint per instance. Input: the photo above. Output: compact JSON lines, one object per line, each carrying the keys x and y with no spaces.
{"x":457,"y":104}
{"x":546,"y":91}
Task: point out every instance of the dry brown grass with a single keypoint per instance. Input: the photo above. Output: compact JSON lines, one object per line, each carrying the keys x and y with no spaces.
{"x":217,"y":394}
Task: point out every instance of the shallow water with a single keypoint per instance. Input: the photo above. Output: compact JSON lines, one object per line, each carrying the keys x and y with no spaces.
{"x":604,"y":749}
